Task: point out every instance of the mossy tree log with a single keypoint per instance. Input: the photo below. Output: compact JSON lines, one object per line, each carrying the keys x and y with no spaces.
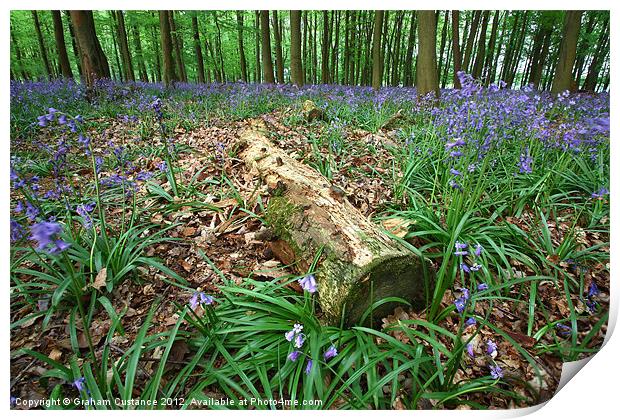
{"x":360,"y":264}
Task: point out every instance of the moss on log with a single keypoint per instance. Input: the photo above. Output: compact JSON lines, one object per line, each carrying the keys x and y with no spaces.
{"x":360,"y":264}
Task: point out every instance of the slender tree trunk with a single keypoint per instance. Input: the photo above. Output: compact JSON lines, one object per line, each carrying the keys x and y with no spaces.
{"x":456,"y":49}
{"x":18,"y":56}
{"x":470,"y":41}
{"x":257,"y":52}
{"x":243,"y":64}
{"x":63,"y":58}
{"x":519,"y":50}
{"x":121,"y":34}
{"x":325,"y":49}
{"x":37,"y":28}
{"x":495,"y":62}
{"x":305,"y":60}
{"x":444,"y":35}
{"x":177,"y":41}
{"x":157,"y":57}
{"x":568,"y":49}
{"x":598,"y":58}
{"x":166,"y":45}
{"x":137,"y":44}
{"x":297,"y":73}
{"x":583,"y":48}
{"x":488,"y":59}
{"x":480,"y":53}
{"x":377,"y":66}
{"x":278,"y":41}
{"x":409,"y":80}
{"x":426,"y":72}
{"x":266,"y":47}
{"x":200,"y":67}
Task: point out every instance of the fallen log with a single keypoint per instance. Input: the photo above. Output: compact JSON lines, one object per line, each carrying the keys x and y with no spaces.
{"x":359,"y":264}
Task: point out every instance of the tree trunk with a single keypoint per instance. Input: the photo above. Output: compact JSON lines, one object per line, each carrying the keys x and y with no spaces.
{"x":491,"y":49}
{"x":266,"y":47}
{"x":137,"y":44}
{"x":583,"y":49}
{"x":94,"y":62}
{"x":563,"y":78}
{"x":470,"y":41}
{"x":377,"y":66}
{"x":257,"y":52}
{"x":177,"y":41}
{"x":444,"y":35}
{"x":359,"y":264}
{"x":63,"y":58}
{"x":278,"y":41}
{"x":242,"y":62}
{"x":409,"y":80}
{"x":200,"y":66}
{"x":37,"y":28}
{"x":480,"y":53}
{"x":598,"y":58}
{"x":18,"y":56}
{"x":166,"y":46}
{"x":456,"y":49}
{"x":325,"y":49}
{"x":297,"y":73}
{"x":121,"y":34}
{"x":427,"y":80}
{"x":74,"y":44}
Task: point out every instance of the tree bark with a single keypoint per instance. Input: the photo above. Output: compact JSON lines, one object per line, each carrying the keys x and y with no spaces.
{"x":63,"y":58}
{"x":177,"y":41}
{"x":42,"y":49}
{"x":137,"y":44}
{"x":491,"y":49}
{"x":200,"y":66}
{"x":598,"y":58}
{"x":325,"y":49}
{"x":123,"y":45}
{"x":278,"y":40}
{"x":359,"y":264}
{"x":242,"y":61}
{"x":427,"y":79}
{"x":377,"y":66}
{"x":297,"y":73}
{"x":481,"y":53}
{"x":166,"y":46}
{"x":94,"y":62}
{"x":266,"y":47}
{"x":409,"y":67}
{"x":74,"y":44}
{"x":470,"y":41}
{"x":563,"y":78}
{"x":257,"y":51}
{"x":456,"y":49}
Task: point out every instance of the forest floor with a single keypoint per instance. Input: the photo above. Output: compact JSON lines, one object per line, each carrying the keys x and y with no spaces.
{"x":217,"y":239}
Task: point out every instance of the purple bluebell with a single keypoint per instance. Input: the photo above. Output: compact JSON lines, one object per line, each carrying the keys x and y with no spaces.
{"x":470,"y":350}
{"x":491,"y":347}
{"x":46,"y":233}
{"x":496,"y":372}
{"x":455,"y":172}
{"x":308,"y":283}
{"x":294,"y":355}
{"x":309,"y":367}
{"x":525,"y":162}
{"x":79,"y":384}
{"x":593,"y":290}
{"x":482,"y":286}
{"x":465,"y":268}
{"x":470,"y":321}
{"x":299,"y":340}
{"x":478,"y":250}
{"x":331,"y":352}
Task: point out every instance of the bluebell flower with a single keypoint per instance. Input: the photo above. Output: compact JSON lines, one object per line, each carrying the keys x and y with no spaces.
{"x":331,"y":352}
{"x":593,"y":290}
{"x":299,"y":340}
{"x":470,"y":321}
{"x":297,"y":328}
{"x":470,"y":349}
{"x":79,"y":384}
{"x":465,"y":268}
{"x":308,"y":283}
{"x":46,"y":234}
{"x":293,"y":356}
{"x":491,"y":348}
{"x":496,"y":372}
{"x":482,"y":286}
{"x":475,"y":267}
{"x":455,"y":172}
{"x":563,"y":329}
{"x":309,"y":367}
{"x":478,"y":250}
{"x":525,"y":162}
